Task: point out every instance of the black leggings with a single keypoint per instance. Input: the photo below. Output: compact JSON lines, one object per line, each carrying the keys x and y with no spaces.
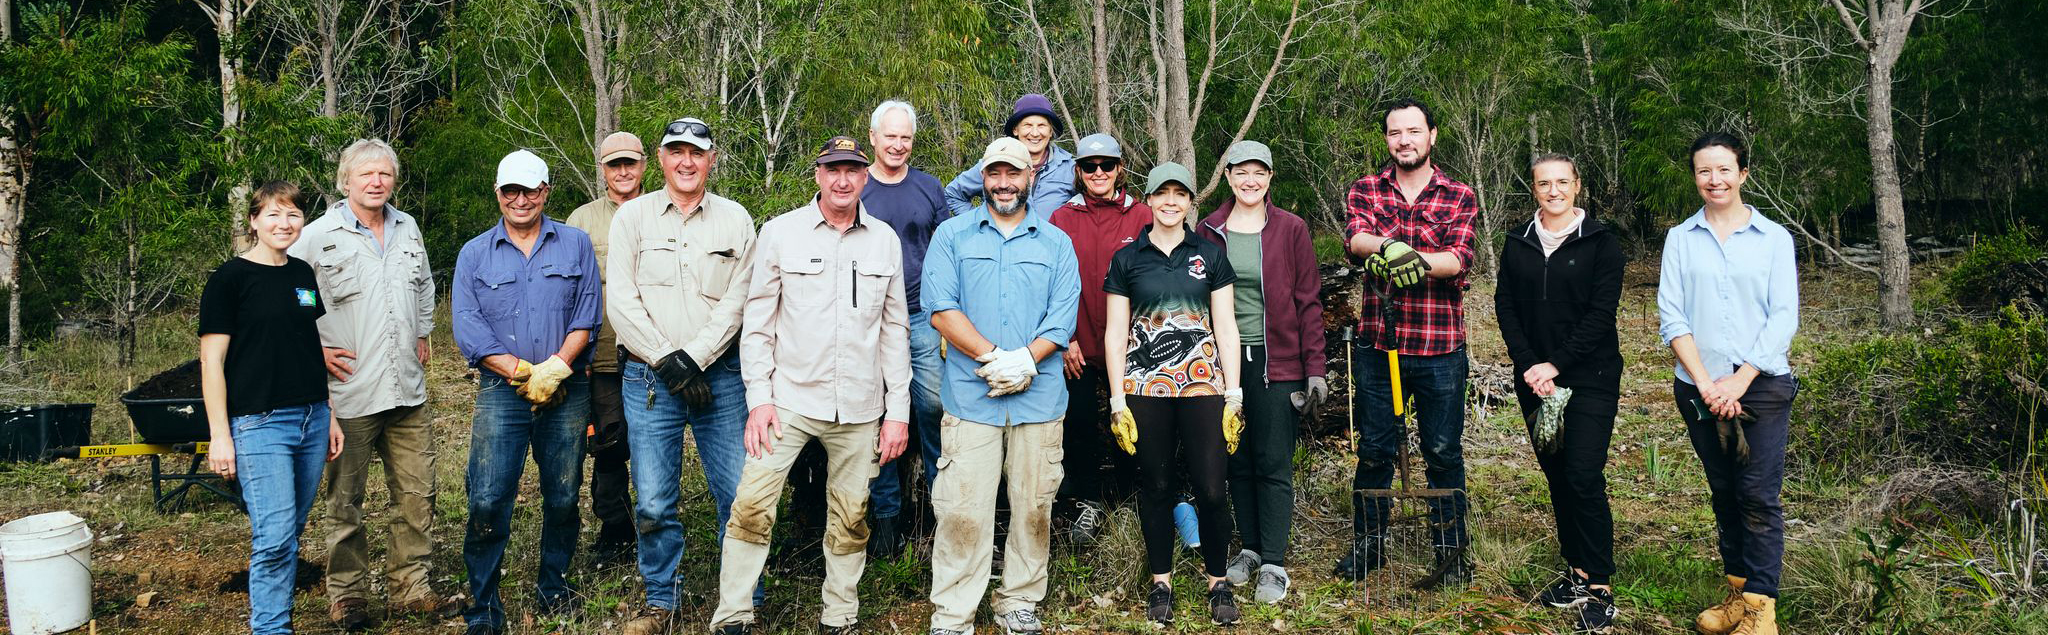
{"x":1171,"y":428}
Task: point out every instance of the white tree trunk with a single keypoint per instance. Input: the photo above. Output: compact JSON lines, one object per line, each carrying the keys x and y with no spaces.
{"x":1882,"y":35}
{"x":1099,"y":65}
{"x":1180,"y":128}
{"x":227,"y":22}
{"x":13,"y":202}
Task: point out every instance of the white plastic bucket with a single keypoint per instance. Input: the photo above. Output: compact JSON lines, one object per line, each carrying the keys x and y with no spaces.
{"x":47,"y":560}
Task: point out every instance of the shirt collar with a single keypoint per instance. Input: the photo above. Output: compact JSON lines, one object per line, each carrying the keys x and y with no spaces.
{"x":498,"y":233}
{"x":1145,"y":240}
{"x":985,"y":217}
{"x":355,"y":223}
{"x":816,"y":215}
{"x":1436,"y":179}
{"x":1699,"y":220}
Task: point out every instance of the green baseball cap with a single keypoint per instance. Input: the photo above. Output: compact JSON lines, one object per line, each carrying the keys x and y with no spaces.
{"x":1248,"y":150}
{"x":1168,"y":172}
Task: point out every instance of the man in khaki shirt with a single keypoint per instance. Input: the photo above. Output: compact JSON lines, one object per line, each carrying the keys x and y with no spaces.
{"x":826,"y":353}
{"x":620,"y":163}
{"x":673,"y":298}
{"x":372,"y":267}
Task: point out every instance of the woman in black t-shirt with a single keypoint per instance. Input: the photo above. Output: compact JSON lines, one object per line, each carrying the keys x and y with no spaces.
{"x":265,"y":386}
{"x":1172,"y":349}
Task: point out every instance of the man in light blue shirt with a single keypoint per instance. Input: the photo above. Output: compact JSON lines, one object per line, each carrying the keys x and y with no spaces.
{"x":1003,"y":287}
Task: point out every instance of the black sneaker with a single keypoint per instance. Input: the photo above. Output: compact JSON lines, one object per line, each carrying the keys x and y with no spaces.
{"x":1451,"y":570}
{"x":1371,"y":550}
{"x":1088,"y":518}
{"x":1596,"y":614}
{"x":1568,"y":591}
{"x":1159,"y":604}
{"x":1222,"y":605}
{"x":886,"y":541}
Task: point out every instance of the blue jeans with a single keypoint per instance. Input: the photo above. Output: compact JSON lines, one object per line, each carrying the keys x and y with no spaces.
{"x":1437,"y":384}
{"x":654,"y":434}
{"x":886,"y":494}
{"x":278,"y":458}
{"x":505,"y":425}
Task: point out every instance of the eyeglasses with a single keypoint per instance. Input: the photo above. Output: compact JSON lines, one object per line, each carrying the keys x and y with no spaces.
{"x":1098,"y":166}
{"x":512,"y":193}
{"x":696,"y":128}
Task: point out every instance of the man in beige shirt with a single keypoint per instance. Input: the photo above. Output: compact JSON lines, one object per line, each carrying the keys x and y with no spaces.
{"x":826,"y":354}
{"x":371,"y":263}
{"x":677,"y":281}
{"x":620,"y":164}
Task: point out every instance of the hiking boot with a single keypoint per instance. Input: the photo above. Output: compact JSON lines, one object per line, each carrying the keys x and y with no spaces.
{"x":1759,"y":615}
{"x":1241,"y":566}
{"x":1020,"y":622}
{"x":1222,"y":605}
{"x":613,"y":544}
{"x":1087,"y":522}
{"x":655,"y":621}
{"x":1568,"y":591}
{"x":350,"y":614}
{"x":1451,"y":570}
{"x":1720,"y":619}
{"x":849,"y":629}
{"x":886,"y":539}
{"x":428,"y":604}
{"x":1596,"y":612}
{"x":1368,"y":554}
{"x":1272,"y":586}
{"x":735,"y":628}
{"x":1159,"y":604}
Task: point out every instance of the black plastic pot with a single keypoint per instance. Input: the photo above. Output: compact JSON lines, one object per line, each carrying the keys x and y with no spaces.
{"x":27,"y":431}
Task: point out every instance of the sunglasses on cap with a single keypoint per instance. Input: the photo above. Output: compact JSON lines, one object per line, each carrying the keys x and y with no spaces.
{"x":688,"y":127}
{"x":1097,"y":166}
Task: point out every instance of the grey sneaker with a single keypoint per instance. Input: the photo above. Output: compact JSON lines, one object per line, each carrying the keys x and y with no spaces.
{"x":1241,"y":566}
{"x":944,"y":631}
{"x":1087,"y":522}
{"x":1020,"y":622}
{"x":1272,"y":586}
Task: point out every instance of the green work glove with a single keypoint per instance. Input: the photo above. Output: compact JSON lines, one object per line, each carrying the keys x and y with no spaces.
{"x":1401,"y":263}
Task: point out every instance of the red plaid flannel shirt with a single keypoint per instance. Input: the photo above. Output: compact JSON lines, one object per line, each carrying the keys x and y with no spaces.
{"x":1429,"y":318}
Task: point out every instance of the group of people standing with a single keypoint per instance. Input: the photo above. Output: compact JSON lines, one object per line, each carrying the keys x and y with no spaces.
{"x":893,"y":315}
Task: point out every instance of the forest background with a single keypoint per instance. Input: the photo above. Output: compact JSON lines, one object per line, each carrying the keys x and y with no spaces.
{"x":1900,"y":139}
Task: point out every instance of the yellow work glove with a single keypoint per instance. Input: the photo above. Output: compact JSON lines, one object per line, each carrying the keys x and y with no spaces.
{"x":1233,"y":418}
{"x":540,"y":390}
{"x":1123,"y":425}
{"x":520,"y":373}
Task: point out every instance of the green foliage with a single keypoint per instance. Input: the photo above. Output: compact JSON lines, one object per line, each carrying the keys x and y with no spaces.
{"x":1967,"y":393}
{"x":1989,"y":273}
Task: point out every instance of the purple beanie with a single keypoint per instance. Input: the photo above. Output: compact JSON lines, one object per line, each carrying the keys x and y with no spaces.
{"x":1034,"y":104}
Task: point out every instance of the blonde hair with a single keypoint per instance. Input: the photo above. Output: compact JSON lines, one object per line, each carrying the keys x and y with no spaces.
{"x":361,"y":152}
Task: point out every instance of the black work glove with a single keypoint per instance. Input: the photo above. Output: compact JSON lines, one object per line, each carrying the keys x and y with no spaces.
{"x":684,"y":380}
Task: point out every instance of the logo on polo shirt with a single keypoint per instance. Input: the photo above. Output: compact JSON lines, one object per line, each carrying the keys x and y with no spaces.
{"x":1198,"y":268}
{"x":307,"y":297}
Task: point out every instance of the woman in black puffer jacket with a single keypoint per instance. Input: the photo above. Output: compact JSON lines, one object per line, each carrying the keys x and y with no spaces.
{"x":1559,"y":286}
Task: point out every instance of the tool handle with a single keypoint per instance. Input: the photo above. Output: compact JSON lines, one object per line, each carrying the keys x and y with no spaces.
{"x":1394,"y":378}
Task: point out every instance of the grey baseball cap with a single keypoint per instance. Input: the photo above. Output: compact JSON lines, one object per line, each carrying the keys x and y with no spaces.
{"x":1248,"y":150}
{"x":1169,"y":172}
{"x":1098,"y":145}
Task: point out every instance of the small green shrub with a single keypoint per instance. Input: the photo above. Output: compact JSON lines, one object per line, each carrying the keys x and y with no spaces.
{"x":2000,"y":271}
{"x":1968,"y":393}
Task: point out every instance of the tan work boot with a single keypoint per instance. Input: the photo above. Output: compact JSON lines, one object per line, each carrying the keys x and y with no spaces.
{"x":650,"y":621}
{"x":350,"y":614}
{"x":1759,"y":615}
{"x":1720,"y":619}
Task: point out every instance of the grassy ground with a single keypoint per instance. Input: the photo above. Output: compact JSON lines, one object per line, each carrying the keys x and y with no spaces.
{"x":1664,"y":533}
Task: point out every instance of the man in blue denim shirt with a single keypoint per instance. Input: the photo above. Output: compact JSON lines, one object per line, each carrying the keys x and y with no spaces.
{"x":1003,"y":287}
{"x":525,"y":290}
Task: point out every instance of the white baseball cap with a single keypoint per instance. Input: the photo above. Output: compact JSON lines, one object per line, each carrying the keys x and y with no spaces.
{"x":522,"y":168}
{"x":690,"y":130}
{"x":1007,"y":150}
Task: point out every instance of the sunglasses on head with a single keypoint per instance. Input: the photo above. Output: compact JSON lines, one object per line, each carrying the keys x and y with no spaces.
{"x":1097,"y":166}
{"x":688,"y":127}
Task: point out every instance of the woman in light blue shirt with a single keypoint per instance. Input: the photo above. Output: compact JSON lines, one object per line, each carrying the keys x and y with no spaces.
{"x":1728,"y":301}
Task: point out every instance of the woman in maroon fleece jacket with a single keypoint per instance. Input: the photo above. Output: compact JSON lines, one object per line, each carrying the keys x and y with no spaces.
{"x":1280,"y":325}
{"x":1100,"y":219}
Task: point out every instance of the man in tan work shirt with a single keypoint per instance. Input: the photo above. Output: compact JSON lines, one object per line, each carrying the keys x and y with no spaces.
{"x":371,"y":263}
{"x":826,"y":354}
{"x":677,"y":281}
{"x":620,"y":162}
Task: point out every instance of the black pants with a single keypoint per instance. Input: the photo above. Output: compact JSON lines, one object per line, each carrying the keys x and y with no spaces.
{"x":1169,"y":428}
{"x":1577,"y":474}
{"x":1086,"y":440}
{"x":1262,"y":470}
{"x":1747,"y":509}
{"x":610,"y":501}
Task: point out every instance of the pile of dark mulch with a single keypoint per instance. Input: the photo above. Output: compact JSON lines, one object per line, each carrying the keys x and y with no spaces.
{"x":181,"y":382}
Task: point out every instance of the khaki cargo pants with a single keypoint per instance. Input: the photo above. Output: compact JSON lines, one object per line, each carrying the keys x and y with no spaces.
{"x":850,"y":466}
{"x":400,"y":436}
{"x":973,"y":458}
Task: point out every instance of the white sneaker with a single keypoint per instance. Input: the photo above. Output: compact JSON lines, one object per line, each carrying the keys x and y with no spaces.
{"x":1272,"y":586}
{"x":1241,"y":567}
{"x":1020,"y":622}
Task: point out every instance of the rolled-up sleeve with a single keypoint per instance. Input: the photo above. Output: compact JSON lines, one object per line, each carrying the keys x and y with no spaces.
{"x":473,"y":336}
{"x":940,"y":285}
{"x":1781,"y":310}
{"x":423,"y":302}
{"x":1671,"y":310}
{"x":589,"y":311}
{"x":960,"y":192}
{"x":1065,"y":302}
{"x":1458,"y":240}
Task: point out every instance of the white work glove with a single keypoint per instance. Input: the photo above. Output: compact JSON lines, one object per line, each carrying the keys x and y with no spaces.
{"x":541,"y":388}
{"x":1007,"y":371}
